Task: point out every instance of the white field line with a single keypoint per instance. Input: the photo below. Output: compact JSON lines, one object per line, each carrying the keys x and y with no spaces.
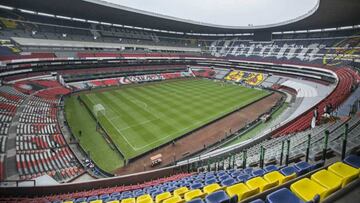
{"x":144,"y":106}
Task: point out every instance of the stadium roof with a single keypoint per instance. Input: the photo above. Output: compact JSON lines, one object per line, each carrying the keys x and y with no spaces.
{"x":326,"y":14}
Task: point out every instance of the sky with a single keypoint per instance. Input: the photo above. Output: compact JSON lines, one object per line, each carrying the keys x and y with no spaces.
{"x":225,"y":12}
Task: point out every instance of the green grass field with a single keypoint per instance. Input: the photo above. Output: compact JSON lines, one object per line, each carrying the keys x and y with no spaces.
{"x":140,"y":118}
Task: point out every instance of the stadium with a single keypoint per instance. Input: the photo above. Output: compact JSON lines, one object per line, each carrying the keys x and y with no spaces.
{"x":105,"y":103}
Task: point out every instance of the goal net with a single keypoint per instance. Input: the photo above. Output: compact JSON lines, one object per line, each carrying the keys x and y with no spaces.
{"x":98,"y":110}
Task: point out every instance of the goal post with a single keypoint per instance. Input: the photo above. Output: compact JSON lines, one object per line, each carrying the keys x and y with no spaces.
{"x":98,"y":110}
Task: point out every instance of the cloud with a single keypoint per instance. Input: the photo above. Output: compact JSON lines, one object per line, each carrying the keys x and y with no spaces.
{"x":225,"y":12}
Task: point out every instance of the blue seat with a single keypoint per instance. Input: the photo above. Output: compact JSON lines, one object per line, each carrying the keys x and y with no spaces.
{"x":217,"y":197}
{"x":257,"y":201}
{"x":137,"y":193}
{"x":196,"y":200}
{"x":81,"y":199}
{"x":270,"y":168}
{"x":104,"y":196}
{"x":228,"y":182}
{"x":210,"y":181}
{"x":126,"y":195}
{"x":258,"y":172}
{"x":236,"y":174}
{"x":248,"y":170}
{"x":224,"y":177}
{"x":353,"y":160}
{"x":283,"y":195}
{"x":153,"y":194}
{"x":92,"y":198}
{"x":196,"y":186}
{"x":110,"y":199}
{"x":170,"y":188}
{"x":303,"y":167}
{"x":115,"y":194}
{"x":243,"y":178}
{"x":288,"y":170}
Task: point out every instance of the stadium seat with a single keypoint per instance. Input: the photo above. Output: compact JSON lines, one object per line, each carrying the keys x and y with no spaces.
{"x":243,"y":178}
{"x":144,"y":199}
{"x":241,"y":191}
{"x":258,"y":201}
{"x":283,"y":195}
{"x":96,"y":201}
{"x":208,"y":189}
{"x":79,"y":200}
{"x":270,"y":168}
{"x":258,"y":172}
{"x":353,"y":161}
{"x":307,"y":189}
{"x":288,"y":170}
{"x":181,"y":191}
{"x":210,"y":181}
{"x":174,"y":199}
{"x":303,"y":167}
{"x":196,"y":186}
{"x":345,"y":172}
{"x":217,"y":197}
{"x":228,"y":182}
{"x":260,"y":183}
{"x":277,"y":176}
{"x":192,"y":194}
{"x":162,"y":196}
{"x":128,"y":200}
{"x":115,"y":201}
{"x":328,"y":180}
{"x":197,"y":200}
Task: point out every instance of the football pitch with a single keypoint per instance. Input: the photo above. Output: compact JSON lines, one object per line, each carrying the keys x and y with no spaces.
{"x":139,"y":118}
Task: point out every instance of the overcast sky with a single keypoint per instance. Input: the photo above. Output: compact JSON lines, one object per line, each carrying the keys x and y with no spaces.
{"x":225,"y":12}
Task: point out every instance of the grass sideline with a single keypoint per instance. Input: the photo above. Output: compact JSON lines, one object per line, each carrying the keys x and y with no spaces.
{"x":90,"y":140}
{"x":142,"y":117}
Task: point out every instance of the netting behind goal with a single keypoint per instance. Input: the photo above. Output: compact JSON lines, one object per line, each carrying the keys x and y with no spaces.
{"x":98,"y":110}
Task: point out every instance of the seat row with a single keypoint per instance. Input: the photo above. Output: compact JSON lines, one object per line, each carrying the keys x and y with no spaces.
{"x":4,"y":117}
{"x":26,"y":129}
{"x":38,"y":142}
{"x":29,"y":109}
{"x":242,"y":183}
{"x":36,"y":118}
{"x":320,"y":185}
{"x":4,"y":128}
{"x":6,"y":106}
{"x":3,"y":144}
{"x":59,"y":160}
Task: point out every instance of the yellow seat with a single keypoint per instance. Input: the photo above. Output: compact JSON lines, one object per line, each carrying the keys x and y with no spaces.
{"x":163,"y":196}
{"x":115,"y":201}
{"x":328,"y":180}
{"x":96,"y":201}
{"x":192,"y":194}
{"x":276,"y":176}
{"x":128,"y":200}
{"x":307,"y":189}
{"x":181,"y":191}
{"x":345,"y":172}
{"x":260,"y":183}
{"x":144,"y":199}
{"x":208,"y":189}
{"x":68,"y":202}
{"x":174,"y":199}
{"x":241,"y":190}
